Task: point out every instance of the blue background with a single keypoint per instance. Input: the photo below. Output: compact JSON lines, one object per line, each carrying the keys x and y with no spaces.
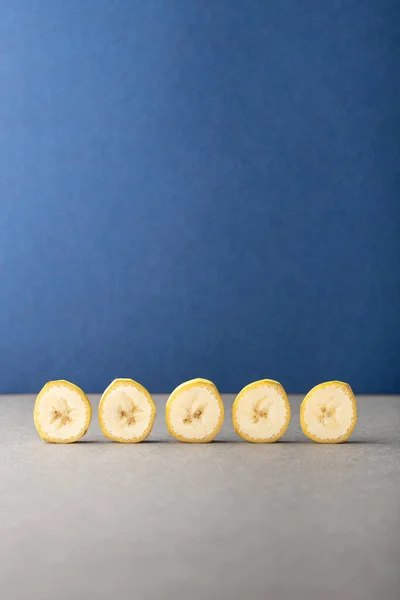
{"x":199,"y":188}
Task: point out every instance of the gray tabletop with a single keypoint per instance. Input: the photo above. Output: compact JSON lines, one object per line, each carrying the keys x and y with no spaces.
{"x":228,"y":520}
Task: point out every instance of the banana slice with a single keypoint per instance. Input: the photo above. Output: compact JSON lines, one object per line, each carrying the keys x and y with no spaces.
{"x":194,"y":411}
{"x":62,"y":413}
{"x":328,"y":414}
{"x":261,"y":412}
{"x":126,"y":412}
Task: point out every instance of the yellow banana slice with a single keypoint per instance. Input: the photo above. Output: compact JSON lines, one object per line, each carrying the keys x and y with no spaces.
{"x":126,"y":412}
{"x":194,"y":411}
{"x":62,"y":413}
{"x":261,"y":412}
{"x":328,"y":414}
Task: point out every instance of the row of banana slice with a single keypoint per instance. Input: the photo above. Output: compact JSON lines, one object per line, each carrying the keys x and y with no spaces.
{"x":195,"y":412}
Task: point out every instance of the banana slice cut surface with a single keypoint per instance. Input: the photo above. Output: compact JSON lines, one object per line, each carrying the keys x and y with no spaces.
{"x":195,"y":412}
{"x":62,"y":413}
{"x":261,"y":412}
{"x":328,"y":414}
{"x":126,"y":412}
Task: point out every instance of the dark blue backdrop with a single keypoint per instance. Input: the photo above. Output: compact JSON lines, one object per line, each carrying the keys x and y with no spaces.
{"x":199,"y":188}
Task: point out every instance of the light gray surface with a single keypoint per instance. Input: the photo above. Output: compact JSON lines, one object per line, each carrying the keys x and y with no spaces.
{"x":233,"y":520}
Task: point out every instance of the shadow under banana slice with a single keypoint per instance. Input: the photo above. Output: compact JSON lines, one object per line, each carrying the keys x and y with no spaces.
{"x":126,"y":412}
{"x":328,"y":414}
{"x":194,"y":412}
{"x":62,"y":412}
{"x":261,"y":412}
